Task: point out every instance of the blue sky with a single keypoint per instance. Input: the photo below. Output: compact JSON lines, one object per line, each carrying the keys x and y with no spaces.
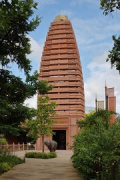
{"x":93,"y":33}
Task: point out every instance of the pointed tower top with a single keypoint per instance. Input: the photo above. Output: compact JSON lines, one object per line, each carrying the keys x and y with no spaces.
{"x":61,"y":18}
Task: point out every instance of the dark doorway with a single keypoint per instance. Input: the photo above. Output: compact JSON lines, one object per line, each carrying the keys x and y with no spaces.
{"x":60,"y":138}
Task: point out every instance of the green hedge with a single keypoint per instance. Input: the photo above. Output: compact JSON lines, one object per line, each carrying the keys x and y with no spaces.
{"x":40,"y":155}
{"x":7,"y":161}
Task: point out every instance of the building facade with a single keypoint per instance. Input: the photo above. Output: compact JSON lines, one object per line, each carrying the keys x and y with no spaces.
{"x":61,"y":67}
{"x":110,"y":103}
{"x":110,"y":100}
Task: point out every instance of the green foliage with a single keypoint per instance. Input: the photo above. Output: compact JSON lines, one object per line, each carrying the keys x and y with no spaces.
{"x":114,"y":56}
{"x":4,"y":167}
{"x":13,"y":92}
{"x":41,"y":155}
{"x":3,"y":141}
{"x":109,"y":5}
{"x":43,"y":87}
{"x":98,"y":143}
{"x":7,"y":160}
{"x":34,"y":85}
{"x":42,"y":124}
{"x":15,"y":24}
{"x":118,"y":119}
{"x":95,"y":118}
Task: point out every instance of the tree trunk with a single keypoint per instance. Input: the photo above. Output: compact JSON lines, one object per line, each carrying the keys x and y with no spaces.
{"x":43,"y":144}
{"x":113,"y":171}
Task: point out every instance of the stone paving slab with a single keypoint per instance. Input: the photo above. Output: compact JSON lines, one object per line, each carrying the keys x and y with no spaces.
{"x":44,"y":169}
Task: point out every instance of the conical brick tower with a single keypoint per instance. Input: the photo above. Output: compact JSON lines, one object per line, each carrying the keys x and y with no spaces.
{"x":61,"y":66}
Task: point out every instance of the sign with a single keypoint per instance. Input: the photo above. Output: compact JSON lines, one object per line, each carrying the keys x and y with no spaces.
{"x":63,"y":121}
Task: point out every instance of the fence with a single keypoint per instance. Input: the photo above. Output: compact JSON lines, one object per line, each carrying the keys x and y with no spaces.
{"x":18,"y":147}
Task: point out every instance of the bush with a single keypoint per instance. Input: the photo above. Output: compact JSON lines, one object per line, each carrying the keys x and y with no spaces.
{"x":53,"y":155}
{"x":3,"y":141}
{"x":97,"y":147}
{"x":40,"y":155}
{"x":4,"y":167}
{"x":30,"y":155}
{"x":7,"y":160}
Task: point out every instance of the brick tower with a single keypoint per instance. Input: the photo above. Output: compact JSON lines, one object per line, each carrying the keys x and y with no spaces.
{"x":61,"y":66}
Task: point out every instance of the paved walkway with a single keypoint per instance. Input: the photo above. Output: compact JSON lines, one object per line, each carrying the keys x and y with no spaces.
{"x":44,"y":169}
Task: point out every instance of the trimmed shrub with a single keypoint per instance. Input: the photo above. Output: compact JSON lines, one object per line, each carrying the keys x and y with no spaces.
{"x":30,"y":155}
{"x":53,"y":155}
{"x":40,"y":155}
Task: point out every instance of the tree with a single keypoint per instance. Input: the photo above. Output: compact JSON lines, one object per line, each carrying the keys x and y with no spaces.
{"x":91,"y":118}
{"x":96,"y":147}
{"x":114,"y":56}
{"x":3,"y":141}
{"x":15,"y":24}
{"x":109,"y":6}
{"x":13,"y":92}
{"x":118,"y":119}
{"x":42,"y":124}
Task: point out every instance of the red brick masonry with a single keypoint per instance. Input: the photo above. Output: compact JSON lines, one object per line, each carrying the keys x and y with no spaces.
{"x":61,"y":66}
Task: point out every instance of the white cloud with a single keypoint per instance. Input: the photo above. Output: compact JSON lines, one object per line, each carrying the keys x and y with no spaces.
{"x":36,"y":50}
{"x":99,"y":48}
{"x":99,"y":64}
{"x":35,"y":56}
{"x":32,"y":102}
{"x":89,"y":31}
{"x":100,"y":72}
